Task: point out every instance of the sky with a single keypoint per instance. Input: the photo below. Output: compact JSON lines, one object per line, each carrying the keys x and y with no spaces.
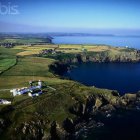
{"x":95,"y":16}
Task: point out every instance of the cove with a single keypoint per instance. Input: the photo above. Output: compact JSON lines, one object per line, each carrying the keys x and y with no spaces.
{"x":123,"y":77}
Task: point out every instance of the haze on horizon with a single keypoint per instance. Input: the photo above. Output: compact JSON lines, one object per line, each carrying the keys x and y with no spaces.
{"x":83,"y":16}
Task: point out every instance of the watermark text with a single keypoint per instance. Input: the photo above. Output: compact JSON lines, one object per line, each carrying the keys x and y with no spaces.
{"x":9,"y":9}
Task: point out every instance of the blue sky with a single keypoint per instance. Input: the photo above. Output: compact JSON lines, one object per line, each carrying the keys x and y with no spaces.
{"x":95,"y":16}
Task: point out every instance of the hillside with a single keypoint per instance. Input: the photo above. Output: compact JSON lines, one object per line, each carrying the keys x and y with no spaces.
{"x":66,"y":112}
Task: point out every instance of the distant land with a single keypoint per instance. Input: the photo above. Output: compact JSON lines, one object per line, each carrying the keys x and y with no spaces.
{"x":51,"y":34}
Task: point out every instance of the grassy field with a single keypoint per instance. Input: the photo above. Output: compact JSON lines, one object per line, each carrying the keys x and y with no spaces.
{"x":30,"y":66}
{"x":7,"y":58}
{"x":6,"y":63}
{"x":19,"y":70}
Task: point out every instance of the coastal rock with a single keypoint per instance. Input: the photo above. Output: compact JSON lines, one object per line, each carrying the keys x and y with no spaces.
{"x":78,"y":109}
{"x":2,"y":125}
{"x":115,"y":93}
{"x":68,"y":125}
{"x":130,"y":97}
{"x":59,"y":67}
{"x":30,"y":130}
{"x":59,"y":133}
{"x":98,"y":103}
{"x":120,"y":103}
{"x":89,"y":106}
{"x":53,"y":131}
{"x":126,"y":100}
{"x":107,"y":108}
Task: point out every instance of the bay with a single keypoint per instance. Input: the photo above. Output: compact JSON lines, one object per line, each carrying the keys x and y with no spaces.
{"x":123,"y":77}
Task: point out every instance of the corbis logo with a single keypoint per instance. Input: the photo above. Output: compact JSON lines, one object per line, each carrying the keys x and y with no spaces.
{"x":8,"y":9}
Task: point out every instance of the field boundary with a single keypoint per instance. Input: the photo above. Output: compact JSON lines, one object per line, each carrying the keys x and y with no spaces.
{"x":10,"y":66}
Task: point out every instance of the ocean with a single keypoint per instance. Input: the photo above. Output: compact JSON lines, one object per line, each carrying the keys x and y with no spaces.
{"x":119,"y":41}
{"x":123,"y":77}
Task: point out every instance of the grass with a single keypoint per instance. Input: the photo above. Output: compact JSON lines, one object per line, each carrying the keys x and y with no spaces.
{"x":6,"y":64}
{"x":30,"y":66}
{"x":7,"y":58}
{"x":10,"y":82}
{"x":9,"y":52}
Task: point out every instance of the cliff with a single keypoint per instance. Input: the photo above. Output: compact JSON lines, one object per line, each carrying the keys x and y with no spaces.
{"x":66,"y":61}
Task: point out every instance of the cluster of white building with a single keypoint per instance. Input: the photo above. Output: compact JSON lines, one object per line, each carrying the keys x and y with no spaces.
{"x":32,"y":91}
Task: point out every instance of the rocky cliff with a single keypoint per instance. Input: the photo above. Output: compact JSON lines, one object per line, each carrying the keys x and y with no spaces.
{"x":66,"y":62}
{"x":85,"y":109}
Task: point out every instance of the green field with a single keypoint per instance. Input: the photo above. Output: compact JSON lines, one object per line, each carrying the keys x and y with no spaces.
{"x":7,"y":58}
{"x":6,"y":63}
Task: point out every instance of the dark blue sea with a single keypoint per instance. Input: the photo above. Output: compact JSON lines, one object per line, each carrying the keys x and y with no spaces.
{"x":123,"y":77}
{"x":120,"y":41}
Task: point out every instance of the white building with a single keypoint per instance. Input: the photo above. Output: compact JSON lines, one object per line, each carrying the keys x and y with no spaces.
{"x":4,"y":102}
{"x":19,"y":91}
